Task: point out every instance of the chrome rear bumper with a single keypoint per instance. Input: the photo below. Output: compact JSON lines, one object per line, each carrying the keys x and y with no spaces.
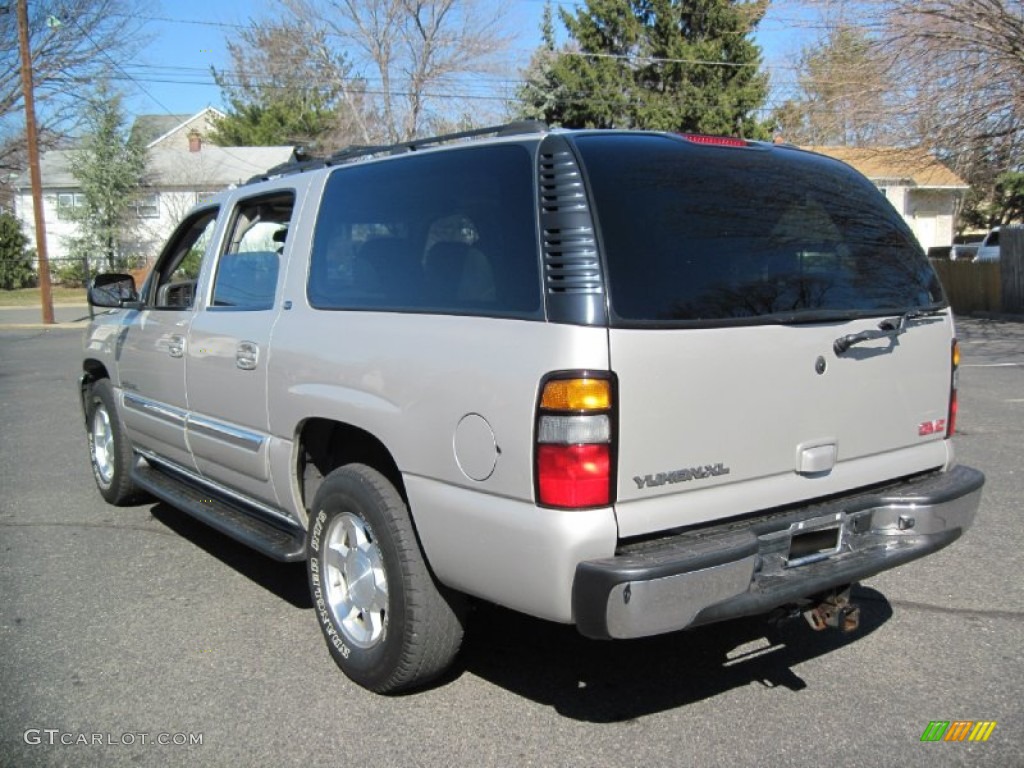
{"x":751,"y":566}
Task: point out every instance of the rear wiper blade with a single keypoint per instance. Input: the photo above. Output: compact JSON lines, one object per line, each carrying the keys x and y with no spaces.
{"x":891,"y":327}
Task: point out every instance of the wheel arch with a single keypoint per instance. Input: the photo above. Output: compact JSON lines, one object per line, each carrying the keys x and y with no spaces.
{"x":323,"y":445}
{"x":92,"y":371}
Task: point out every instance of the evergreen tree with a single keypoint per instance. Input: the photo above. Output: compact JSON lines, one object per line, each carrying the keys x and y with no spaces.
{"x":287,"y":88}
{"x":679,"y":65}
{"x":1003,"y":206}
{"x":15,"y":262}
{"x":109,"y":166}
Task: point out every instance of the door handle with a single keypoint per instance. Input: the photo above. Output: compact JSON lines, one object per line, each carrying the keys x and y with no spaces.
{"x":247,"y":355}
{"x":176,"y":345}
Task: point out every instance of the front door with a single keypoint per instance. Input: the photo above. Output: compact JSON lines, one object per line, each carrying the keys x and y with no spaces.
{"x":152,"y":349}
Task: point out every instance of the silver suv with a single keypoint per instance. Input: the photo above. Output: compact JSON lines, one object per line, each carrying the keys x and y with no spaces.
{"x":630,"y":381}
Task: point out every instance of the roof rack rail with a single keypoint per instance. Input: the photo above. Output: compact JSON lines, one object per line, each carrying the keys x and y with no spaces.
{"x":287,"y":169}
{"x":506,"y":129}
{"x":303,"y":163}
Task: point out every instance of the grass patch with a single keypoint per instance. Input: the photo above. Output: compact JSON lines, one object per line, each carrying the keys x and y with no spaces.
{"x":29,"y":297}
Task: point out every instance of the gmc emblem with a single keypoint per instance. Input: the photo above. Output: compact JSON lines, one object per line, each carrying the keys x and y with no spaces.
{"x":931,"y":427}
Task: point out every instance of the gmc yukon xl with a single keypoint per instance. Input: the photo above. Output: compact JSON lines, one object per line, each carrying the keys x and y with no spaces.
{"x":630,"y":381}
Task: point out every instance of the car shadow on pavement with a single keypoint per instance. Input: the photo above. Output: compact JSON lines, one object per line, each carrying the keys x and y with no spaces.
{"x":286,"y":580}
{"x":589,"y":680}
{"x":604,"y":682}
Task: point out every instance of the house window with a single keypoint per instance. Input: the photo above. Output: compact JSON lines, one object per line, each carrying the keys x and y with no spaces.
{"x":147,"y":206}
{"x":67,"y":203}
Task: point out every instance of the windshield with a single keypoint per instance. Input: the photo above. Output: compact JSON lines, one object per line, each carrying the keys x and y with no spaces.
{"x":698,"y":235}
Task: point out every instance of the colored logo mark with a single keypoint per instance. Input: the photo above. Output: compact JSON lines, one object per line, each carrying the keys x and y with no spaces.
{"x":958,"y":730}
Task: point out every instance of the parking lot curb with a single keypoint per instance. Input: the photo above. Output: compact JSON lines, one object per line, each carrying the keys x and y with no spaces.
{"x":1001,"y":316}
{"x":77,"y":325}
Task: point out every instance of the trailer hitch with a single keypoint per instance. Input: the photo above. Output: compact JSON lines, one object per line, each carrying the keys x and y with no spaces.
{"x":835,"y":612}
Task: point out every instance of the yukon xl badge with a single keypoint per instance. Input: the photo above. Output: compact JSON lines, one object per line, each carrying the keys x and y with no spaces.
{"x":681,"y":475}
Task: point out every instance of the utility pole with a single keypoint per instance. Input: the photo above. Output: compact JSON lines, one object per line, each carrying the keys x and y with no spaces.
{"x":45,"y":295}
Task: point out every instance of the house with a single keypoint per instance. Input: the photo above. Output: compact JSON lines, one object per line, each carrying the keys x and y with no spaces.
{"x":181,"y":168}
{"x":924,"y":191}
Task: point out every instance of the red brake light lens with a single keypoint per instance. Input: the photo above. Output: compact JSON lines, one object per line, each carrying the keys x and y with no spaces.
{"x":954,"y":383}
{"x":715,"y":141}
{"x":574,"y":475}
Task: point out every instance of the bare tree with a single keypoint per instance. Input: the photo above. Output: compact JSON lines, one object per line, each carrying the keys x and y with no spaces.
{"x":955,"y":67}
{"x":844,"y":89}
{"x":415,"y":56}
{"x":966,"y":61}
{"x":953,"y":72}
{"x":75,"y":45}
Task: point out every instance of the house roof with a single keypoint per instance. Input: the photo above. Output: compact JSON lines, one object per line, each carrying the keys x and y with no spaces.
{"x":171,"y":128}
{"x":211,"y":168}
{"x":148,"y":128}
{"x":919,"y":167}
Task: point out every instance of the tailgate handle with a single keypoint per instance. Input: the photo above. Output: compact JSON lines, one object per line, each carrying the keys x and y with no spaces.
{"x":817,"y":457}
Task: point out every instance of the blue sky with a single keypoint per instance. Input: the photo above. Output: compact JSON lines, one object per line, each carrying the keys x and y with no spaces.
{"x":172,"y":74}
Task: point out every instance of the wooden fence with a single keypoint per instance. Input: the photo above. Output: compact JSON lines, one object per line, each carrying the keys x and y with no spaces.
{"x":1011,"y":262}
{"x":996,"y":286}
{"x":971,"y":287}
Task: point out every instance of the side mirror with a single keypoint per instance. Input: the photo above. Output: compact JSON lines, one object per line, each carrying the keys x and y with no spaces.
{"x":113,"y":290}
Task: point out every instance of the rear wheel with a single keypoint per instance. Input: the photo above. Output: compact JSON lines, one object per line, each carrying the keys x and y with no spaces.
{"x":388,"y":624}
{"x":109,"y":450}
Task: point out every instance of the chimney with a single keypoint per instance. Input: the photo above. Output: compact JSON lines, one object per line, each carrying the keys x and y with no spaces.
{"x":195,"y":141}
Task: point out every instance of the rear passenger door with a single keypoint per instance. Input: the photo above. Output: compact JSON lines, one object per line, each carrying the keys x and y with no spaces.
{"x":226,"y":368}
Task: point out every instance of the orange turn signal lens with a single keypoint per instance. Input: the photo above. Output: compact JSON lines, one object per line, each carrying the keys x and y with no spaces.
{"x":956,"y":354}
{"x":577,"y":395}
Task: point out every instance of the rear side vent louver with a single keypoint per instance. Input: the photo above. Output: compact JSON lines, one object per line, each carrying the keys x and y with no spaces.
{"x":572,"y":266}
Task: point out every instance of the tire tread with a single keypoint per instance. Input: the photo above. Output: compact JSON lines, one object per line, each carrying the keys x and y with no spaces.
{"x":432,"y":613}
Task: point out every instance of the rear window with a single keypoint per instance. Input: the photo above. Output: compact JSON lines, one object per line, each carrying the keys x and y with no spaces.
{"x":697,"y":235}
{"x":450,"y":232}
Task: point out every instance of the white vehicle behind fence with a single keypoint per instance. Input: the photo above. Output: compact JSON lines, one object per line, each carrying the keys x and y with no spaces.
{"x":988,"y":250}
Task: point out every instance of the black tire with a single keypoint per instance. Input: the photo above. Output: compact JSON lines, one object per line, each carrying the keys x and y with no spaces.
{"x":110,"y":453}
{"x":387,"y":622}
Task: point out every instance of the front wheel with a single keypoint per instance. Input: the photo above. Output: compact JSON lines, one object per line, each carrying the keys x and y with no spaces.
{"x":110,"y":453}
{"x":388,"y":624}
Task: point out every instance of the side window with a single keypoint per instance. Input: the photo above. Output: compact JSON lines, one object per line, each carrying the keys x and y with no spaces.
{"x":452,"y":232}
{"x":247,"y":273}
{"x":173,"y":285}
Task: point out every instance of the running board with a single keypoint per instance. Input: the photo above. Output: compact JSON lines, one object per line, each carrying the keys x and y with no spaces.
{"x":228,"y":517}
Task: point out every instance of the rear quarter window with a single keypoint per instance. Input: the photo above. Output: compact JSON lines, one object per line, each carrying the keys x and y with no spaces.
{"x":451,"y":232}
{"x":706,"y":235}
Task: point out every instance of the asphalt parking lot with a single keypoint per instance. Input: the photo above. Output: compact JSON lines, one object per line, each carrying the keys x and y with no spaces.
{"x":121,"y":629}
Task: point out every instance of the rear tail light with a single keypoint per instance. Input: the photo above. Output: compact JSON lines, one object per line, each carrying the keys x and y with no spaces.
{"x":954,"y":383}
{"x":574,"y":466}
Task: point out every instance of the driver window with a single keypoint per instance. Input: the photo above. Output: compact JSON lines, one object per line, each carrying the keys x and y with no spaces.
{"x":177,"y":272}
